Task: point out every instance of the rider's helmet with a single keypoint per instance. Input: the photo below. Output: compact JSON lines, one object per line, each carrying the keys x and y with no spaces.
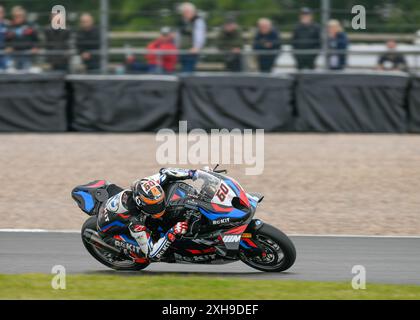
{"x":149,"y":197}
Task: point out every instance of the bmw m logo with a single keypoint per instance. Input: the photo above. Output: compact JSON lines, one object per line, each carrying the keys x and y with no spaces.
{"x":232,"y":238}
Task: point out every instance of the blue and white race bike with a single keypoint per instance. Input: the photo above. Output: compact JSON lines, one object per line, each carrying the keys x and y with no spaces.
{"x":228,"y":230}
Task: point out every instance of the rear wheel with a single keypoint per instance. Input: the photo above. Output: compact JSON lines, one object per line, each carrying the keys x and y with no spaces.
{"x":279,"y":251}
{"x":105,"y":257}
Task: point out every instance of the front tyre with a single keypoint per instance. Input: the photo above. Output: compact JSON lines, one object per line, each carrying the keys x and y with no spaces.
{"x":106,"y":258}
{"x":279,"y":251}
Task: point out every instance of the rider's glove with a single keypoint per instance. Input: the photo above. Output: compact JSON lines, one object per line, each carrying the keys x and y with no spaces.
{"x":174,"y":172}
{"x":179,"y":174}
{"x":180,"y":228}
{"x":193,"y":174}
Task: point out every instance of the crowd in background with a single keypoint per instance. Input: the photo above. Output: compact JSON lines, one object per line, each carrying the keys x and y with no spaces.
{"x":20,"y":42}
{"x":178,"y":48}
{"x":190,"y":38}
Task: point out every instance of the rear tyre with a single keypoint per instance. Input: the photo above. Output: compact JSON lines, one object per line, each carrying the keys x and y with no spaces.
{"x":108,"y":259}
{"x":280,"y":252}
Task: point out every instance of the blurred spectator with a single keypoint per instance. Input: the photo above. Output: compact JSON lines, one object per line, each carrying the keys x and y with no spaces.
{"x":191,"y":36}
{"x":306,"y":36}
{"x":88,"y":41}
{"x":268,"y":39}
{"x":134,"y":66}
{"x":159,"y":63}
{"x":230,"y":42}
{"x":392,"y":60}
{"x":3,"y":32}
{"x":417,"y":38}
{"x":57,"y":40}
{"x":337,"y":43}
{"x":21,"y":39}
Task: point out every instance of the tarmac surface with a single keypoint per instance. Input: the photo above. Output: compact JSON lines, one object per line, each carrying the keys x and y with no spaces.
{"x":319,"y":258}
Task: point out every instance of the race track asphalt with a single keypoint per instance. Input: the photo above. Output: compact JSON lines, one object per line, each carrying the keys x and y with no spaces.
{"x":319,"y":258}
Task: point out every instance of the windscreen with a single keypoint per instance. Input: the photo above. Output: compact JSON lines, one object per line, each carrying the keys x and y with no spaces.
{"x":206,"y":185}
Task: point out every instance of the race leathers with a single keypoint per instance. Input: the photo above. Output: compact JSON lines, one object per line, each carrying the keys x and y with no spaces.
{"x":153,"y":236}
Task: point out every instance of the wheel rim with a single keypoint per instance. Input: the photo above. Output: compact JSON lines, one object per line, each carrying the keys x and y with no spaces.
{"x":274,"y":255}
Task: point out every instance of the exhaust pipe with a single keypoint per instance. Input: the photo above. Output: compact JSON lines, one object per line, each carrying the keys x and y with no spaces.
{"x":93,"y":238}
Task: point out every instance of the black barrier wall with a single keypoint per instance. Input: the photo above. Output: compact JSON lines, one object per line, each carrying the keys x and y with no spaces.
{"x":337,"y":102}
{"x":414,"y":105}
{"x":237,"y":101}
{"x":123,"y":104}
{"x":32,"y":103}
{"x":306,"y":102}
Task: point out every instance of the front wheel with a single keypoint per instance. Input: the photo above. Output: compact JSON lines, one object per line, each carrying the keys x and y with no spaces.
{"x":279,"y":251}
{"x":108,"y":259}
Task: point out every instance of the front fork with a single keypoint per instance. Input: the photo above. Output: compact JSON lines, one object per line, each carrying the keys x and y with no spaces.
{"x":248,"y":241}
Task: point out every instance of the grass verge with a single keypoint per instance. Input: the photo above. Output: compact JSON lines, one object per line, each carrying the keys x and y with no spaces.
{"x":38,"y":286}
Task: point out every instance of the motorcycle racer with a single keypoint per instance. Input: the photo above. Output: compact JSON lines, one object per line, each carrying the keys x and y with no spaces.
{"x":143,"y":210}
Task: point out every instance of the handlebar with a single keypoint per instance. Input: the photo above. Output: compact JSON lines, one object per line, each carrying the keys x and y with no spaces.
{"x":219,"y":171}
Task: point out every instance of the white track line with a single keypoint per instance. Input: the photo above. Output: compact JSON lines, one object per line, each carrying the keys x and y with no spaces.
{"x":292,"y":235}
{"x":39,"y":231}
{"x":354,"y":236}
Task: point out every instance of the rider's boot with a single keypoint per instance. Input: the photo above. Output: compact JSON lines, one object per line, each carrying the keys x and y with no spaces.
{"x":142,"y":237}
{"x":154,"y":251}
{"x":161,"y":246}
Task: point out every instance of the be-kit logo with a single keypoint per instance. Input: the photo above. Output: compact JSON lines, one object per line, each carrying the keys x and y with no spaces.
{"x":127,"y":247}
{"x":221,"y":221}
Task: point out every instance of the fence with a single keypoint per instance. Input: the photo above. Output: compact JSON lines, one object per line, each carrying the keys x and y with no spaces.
{"x":359,"y":57}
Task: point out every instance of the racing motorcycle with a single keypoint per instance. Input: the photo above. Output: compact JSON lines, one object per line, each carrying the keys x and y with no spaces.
{"x":228,"y":231}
